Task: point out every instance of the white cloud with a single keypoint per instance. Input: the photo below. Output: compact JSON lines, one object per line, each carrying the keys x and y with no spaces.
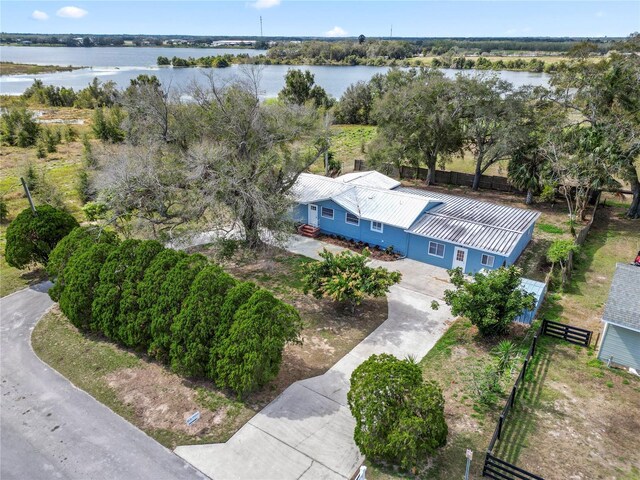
{"x":71,"y":12}
{"x":262,"y":4}
{"x":336,"y":32}
{"x":39,"y":15}
{"x":600,"y":14}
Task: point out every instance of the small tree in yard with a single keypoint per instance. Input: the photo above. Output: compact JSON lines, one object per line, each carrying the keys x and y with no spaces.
{"x":197,"y":327}
{"x":491,"y":300}
{"x":558,"y":253}
{"x":252,"y":350}
{"x":346,"y":277}
{"x":399,"y":417}
{"x":31,"y":238}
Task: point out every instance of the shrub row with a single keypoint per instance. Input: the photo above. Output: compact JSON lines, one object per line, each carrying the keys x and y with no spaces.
{"x":179,"y":308}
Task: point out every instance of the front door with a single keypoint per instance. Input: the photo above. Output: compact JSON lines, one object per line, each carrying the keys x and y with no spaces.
{"x":459,"y":258}
{"x":313,"y":215}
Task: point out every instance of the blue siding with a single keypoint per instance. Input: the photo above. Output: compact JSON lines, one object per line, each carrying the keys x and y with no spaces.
{"x":300,"y":213}
{"x":419,"y":250}
{"x":521,"y":245}
{"x":390,"y":236}
{"x":621,"y":345}
{"x":539,"y":289}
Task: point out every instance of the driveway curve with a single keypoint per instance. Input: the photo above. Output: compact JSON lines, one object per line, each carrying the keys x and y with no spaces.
{"x":51,"y":429}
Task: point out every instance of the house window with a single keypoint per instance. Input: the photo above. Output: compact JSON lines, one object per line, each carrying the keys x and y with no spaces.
{"x":437,"y":249}
{"x":487,"y":260}
{"x":460,"y":255}
{"x":376,"y":227}
{"x":351,"y":219}
{"x":327,"y":213}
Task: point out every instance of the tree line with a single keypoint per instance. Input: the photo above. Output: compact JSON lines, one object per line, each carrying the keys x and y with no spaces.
{"x":578,"y":136}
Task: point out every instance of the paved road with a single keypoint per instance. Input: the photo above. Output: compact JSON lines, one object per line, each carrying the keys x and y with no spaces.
{"x":307,"y":432}
{"x":50,"y":429}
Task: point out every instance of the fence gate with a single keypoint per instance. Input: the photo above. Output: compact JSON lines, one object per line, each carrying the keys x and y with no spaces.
{"x":571,"y":334}
{"x":501,"y":470}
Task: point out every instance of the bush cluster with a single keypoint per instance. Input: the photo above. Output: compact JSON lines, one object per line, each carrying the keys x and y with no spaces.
{"x":399,"y":417}
{"x":179,"y":308}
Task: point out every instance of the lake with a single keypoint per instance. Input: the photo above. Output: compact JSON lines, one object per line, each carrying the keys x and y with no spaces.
{"x":121,"y":64}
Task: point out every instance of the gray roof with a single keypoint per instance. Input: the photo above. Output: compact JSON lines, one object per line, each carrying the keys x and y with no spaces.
{"x":623,"y":304}
{"x":399,"y":209}
{"x":472,"y":223}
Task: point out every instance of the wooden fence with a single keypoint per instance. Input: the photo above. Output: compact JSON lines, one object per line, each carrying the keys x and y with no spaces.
{"x":498,"y":468}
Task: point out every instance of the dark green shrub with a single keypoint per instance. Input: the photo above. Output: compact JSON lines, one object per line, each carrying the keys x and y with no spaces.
{"x":149,"y":292}
{"x":18,"y":128}
{"x":236,"y":297}
{"x":59,"y":257}
{"x":251,"y":353}
{"x":175,"y":288}
{"x":144,"y":254}
{"x":31,"y":238}
{"x":399,"y":417}
{"x":197,"y":327}
{"x":106,"y":302}
{"x":82,"y":275}
{"x":4,"y":211}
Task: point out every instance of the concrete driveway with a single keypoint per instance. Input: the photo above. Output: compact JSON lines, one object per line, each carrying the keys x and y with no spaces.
{"x":50,"y":429}
{"x":307,"y":432}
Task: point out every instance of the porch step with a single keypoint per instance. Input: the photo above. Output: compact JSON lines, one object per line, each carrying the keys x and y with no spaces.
{"x":308,"y":231}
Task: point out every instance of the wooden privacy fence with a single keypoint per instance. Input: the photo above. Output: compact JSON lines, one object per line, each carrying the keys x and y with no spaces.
{"x":498,"y":468}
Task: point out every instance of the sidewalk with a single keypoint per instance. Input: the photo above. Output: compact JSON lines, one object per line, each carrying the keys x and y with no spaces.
{"x":307,"y":432}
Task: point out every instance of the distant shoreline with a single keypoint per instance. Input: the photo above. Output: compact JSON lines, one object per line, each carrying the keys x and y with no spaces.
{"x":11,"y":68}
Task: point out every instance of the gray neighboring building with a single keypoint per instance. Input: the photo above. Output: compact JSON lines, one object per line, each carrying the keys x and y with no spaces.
{"x":621,"y":338}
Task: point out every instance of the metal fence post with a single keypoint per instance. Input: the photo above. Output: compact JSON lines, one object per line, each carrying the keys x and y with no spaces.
{"x":500,"y":420}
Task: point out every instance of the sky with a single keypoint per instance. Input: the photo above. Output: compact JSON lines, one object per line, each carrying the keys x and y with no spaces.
{"x":497,"y":18}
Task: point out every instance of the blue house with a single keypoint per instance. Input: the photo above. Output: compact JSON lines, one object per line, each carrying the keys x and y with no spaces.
{"x":443,"y":230}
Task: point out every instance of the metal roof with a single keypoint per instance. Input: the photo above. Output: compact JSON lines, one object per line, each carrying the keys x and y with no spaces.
{"x":389,"y":207}
{"x":466,"y":234}
{"x":490,"y":214}
{"x":623,"y":304}
{"x":311,"y":188}
{"x":399,"y":209}
{"x":371,"y":179}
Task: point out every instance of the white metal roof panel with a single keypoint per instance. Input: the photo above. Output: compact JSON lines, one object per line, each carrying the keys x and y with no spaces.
{"x":311,"y":188}
{"x":371,"y":179}
{"x":468,"y":234}
{"x":623,"y":304}
{"x":389,"y":207}
{"x":490,"y":214}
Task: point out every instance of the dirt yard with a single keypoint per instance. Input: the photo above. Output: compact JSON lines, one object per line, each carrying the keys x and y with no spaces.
{"x":159,"y":402}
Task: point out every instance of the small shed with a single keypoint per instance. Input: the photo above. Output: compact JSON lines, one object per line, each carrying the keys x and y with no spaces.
{"x":538,"y":290}
{"x":621,"y":338}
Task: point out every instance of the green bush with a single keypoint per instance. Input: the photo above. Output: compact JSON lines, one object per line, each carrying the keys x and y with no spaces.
{"x":197,"y":327}
{"x":235,"y":298}
{"x":4,"y":211}
{"x":127,"y":320}
{"x":31,"y":238}
{"x":59,"y":257}
{"x":107,"y":127}
{"x":251,"y":353}
{"x":399,"y":417}
{"x":18,"y":128}
{"x":82,"y":275}
{"x":175,"y":288}
{"x":106,"y":303}
{"x":346,"y":277}
{"x":149,"y":292}
{"x":491,"y":300}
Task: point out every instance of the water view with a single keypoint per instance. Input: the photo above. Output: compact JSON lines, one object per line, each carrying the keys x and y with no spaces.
{"x":123,"y":64}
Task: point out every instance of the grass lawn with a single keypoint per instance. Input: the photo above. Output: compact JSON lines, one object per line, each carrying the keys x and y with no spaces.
{"x":158,"y":401}
{"x":60,"y":169}
{"x":574,"y":418}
